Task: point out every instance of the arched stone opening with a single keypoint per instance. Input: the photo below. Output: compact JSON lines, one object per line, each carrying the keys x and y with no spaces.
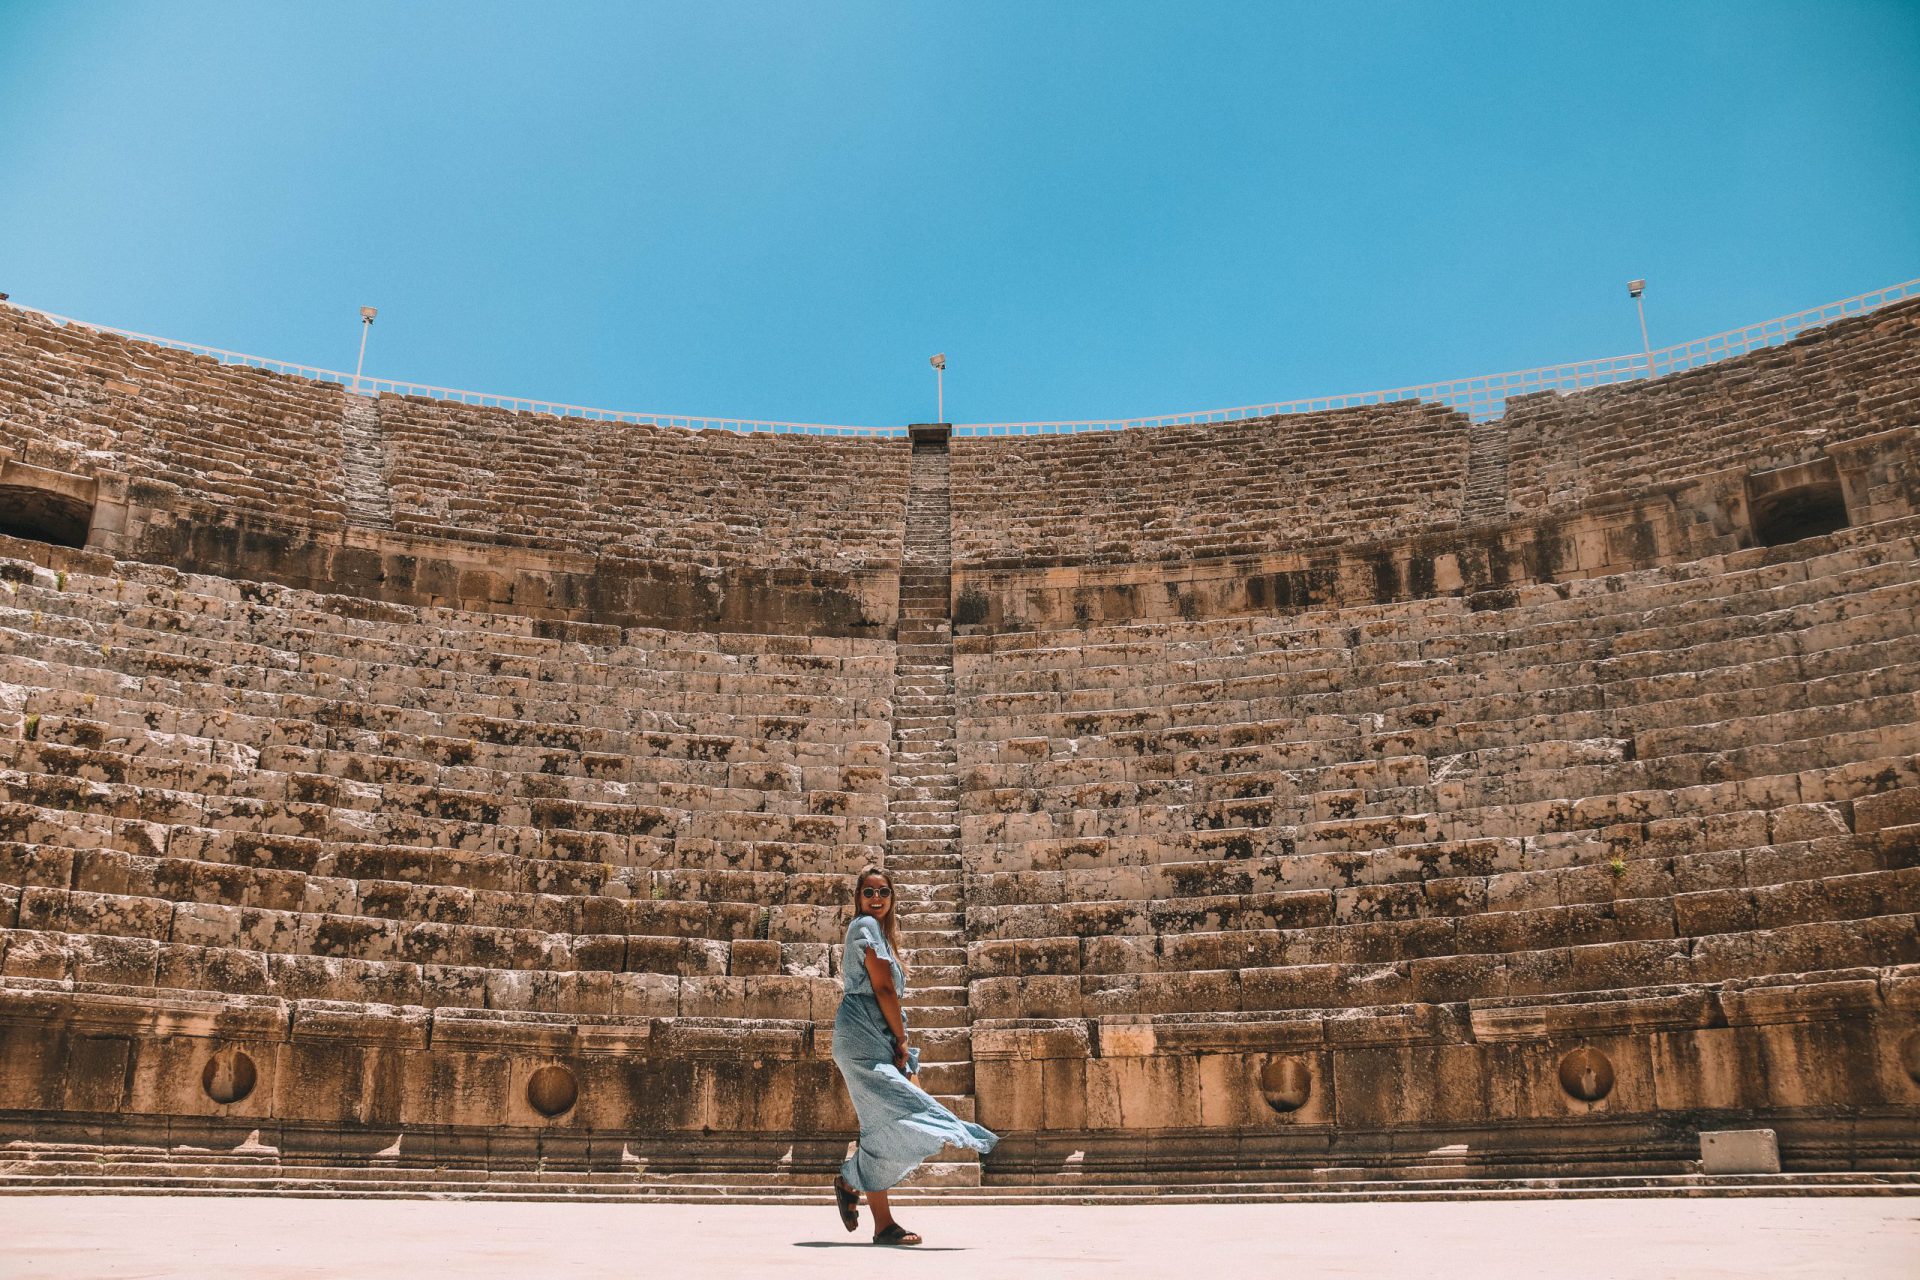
{"x":44,"y":515}
{"x":1796,"y":502}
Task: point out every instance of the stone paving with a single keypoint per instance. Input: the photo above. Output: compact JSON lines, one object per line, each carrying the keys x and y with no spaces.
{"x":102,"y":1238}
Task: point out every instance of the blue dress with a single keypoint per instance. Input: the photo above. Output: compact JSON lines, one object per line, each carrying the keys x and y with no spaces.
{"x":900,"y":1123}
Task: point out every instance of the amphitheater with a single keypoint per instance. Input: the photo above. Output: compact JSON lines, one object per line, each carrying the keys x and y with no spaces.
{"x":409,"y":796}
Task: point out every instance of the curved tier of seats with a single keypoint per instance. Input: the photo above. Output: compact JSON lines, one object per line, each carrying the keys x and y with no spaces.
{"x":1184,"y":493}
{"x":1771,"y":407}
{"x":1413,"y":828}
{"x":173,"y":458}
{"x":307,"y":806}
{"x":640,"y":492}
{"x":1347,"y":792}
{"x":251,"y":443}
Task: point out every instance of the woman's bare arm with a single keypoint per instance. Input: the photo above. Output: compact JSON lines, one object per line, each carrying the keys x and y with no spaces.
{"x":881,"y":972}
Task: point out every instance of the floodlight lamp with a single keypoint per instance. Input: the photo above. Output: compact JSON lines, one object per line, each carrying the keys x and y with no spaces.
{"x":939,"y":361}
{"x":1636,"y":287}
{"x":368,"y":313}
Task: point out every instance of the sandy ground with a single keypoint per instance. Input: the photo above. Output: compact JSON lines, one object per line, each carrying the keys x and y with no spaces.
{"x":84,"y":1237}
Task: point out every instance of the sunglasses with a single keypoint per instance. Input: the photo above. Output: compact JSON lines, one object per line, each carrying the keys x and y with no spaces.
{"x":867,"y":892}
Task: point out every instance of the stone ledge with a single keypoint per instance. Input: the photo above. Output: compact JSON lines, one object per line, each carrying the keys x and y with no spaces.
{"x":1839,"y":995}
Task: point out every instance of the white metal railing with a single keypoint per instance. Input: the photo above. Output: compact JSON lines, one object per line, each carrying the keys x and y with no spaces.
{"x":1482,"y":397}
{"x":1485,"y":397}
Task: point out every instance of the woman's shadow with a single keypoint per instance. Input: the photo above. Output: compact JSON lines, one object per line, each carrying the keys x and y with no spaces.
{"x":862,"y":1244}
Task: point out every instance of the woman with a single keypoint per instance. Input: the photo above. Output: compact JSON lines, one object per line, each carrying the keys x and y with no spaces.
{"x":900,"y":1124}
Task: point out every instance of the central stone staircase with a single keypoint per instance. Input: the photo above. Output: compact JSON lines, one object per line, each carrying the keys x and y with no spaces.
{"x":923,"y":808}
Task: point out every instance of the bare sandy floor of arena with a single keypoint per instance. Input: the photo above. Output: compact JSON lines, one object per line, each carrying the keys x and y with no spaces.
{"x":89,"y":1237}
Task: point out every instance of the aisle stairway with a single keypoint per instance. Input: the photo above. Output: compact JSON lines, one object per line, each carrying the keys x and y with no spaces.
{"x":364,"y":464}
{"x":1487,"y":482}
{"x":923,"y":831}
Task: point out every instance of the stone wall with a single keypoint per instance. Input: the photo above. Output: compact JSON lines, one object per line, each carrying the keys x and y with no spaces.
{"x":1175,"y":494}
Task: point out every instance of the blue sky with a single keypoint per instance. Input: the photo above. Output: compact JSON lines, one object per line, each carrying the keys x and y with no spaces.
{"x":780,"y":210}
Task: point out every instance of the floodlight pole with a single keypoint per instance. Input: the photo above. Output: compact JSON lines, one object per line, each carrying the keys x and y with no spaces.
{"x":366,"y":322}
{"x":939,"y":364}
{"x":1638,"y":289}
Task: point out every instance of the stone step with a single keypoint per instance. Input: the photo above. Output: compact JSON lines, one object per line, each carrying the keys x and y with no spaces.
{"x":947,"y":864}
{"x":939,"y":974}
{"x":921,"y":921}
{"x":945,"y":1186}
{"x":936,"y":1016}
{"x":946,"y":1170}
{"x":930,"y":892}
{"x":931,"y":997}
{"x":899,"y":849}
{"x":909,"y":882}
{"x":935,"y":956}
{"x":921,"y":861}
{"x":961,"y":1105}
{"x":946,"y":1077}
{"x":917,"y":899}
{"x":945,"y":1044}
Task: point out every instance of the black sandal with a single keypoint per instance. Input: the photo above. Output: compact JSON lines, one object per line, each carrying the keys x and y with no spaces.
{"x":847,"y":1200}
{"x":895,"y":1234}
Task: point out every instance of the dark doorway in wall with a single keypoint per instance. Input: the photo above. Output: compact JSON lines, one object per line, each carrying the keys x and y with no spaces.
{"x":41,"y":515}
{"x":1804,"y":511}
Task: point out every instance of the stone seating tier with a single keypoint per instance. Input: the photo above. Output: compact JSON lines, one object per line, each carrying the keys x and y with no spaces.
{"x":1181,"y":493}
{"x":642,"y":492}
{"x":1777,"y":405}
{"x":231,"y":788}
{"x":1288,"y":872}
{"x":1706,"y":772}
{"x":255,"y":443}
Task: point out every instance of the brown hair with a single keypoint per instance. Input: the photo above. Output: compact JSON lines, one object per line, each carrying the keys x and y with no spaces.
{"x":889,"y":923}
